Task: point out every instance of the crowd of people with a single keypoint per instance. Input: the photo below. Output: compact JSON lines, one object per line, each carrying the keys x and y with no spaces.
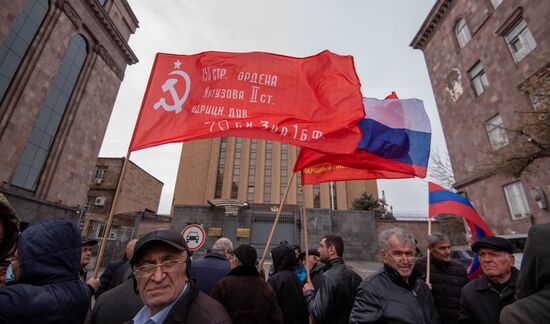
{"x":44,"y":279}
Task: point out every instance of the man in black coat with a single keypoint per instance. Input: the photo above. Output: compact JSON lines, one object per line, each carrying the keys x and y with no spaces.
{"x":287,"y":287}
{"x":333,"y":300}
{"x":46,"y":270}
{"x":397,"y":293}
{"x":105,"y":281}
{"x":447,"y":277}
{"x":533,"y":281}
{"x":215,"y":265}
{"x":244,"y":293}
{"x":117,"y":305}
{"x":483,"y":298}
{"x":161,"y":262}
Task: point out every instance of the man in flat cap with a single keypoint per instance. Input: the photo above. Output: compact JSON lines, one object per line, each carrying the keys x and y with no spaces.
{"x":483,"y":298}
{"x":161,"y":267}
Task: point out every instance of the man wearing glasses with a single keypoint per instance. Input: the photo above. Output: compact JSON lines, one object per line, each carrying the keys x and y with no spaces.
{"x":161,"y":264}
{"x":396,"y":293}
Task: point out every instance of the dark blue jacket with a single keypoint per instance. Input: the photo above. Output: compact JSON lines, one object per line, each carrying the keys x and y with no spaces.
{"x":107,"y":276}
{"x":208,"y":270}
{"x":49,"y":289}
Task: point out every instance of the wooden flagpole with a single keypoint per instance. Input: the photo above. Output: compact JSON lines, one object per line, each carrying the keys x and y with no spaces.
{"x":274,"y":226}
{"x":111,"y":215}
{"x":428,"y":252}
{"x":306,"y":242}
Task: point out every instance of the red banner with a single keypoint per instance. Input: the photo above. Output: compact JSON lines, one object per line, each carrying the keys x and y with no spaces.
{"x":312,"y":102}
{"x":326,"y":172}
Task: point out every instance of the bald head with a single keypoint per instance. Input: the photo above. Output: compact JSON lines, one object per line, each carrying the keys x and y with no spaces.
{"x":130,"y":248}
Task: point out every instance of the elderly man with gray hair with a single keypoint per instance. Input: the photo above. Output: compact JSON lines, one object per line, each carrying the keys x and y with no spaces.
{"x":214,"y":266}
{"x":447,"y":277}
{"x":396,"y":293}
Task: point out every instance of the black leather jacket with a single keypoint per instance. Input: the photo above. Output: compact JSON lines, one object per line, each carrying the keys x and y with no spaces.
{"x":333,"y":301}
{"x":385,"y":297}
{"x":481,"y":303}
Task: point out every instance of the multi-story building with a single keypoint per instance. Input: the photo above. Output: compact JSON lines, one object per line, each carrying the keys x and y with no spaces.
{"x":488,"y":62}
{"x":61,"y":66}
{"x":137,"y":205}
{"x":234,"y":186}
{"x":256,"y":172}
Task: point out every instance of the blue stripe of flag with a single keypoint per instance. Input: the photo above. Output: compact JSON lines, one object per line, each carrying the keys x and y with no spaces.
{"x":396,"y":144}
{"x":445,"y":195}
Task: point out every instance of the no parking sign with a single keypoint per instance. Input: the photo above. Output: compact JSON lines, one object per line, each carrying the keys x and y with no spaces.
{"x":194,"y":235}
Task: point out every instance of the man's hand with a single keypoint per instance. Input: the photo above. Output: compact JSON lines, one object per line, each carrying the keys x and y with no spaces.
{"x":308,"y":286}
{"x":94,"y":283}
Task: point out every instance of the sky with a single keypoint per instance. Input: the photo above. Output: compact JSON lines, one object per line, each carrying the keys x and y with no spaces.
{"x":376,"y":33}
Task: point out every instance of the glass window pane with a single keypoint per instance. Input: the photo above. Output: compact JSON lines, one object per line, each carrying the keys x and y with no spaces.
{"x":46,"y":126}
{"x":19,"y":38}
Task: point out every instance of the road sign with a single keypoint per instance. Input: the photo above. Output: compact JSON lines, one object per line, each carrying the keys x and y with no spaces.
{"x":194,"y":236}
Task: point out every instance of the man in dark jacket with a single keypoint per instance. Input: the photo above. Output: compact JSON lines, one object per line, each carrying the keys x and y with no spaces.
{"x":447,"y":277}
{"x":161,"y":262}
{"x":287,"y":287}
{"x":396,"y":293}
{"x":48,"y":288}
{"x":117,"y":305}
{"x":215,"y":265}
{"x":105,"y":281}
{"x":246,"y":295}
{"x":333,"y":300}
{"x":533,"y":306}
{"x":483,"y":298}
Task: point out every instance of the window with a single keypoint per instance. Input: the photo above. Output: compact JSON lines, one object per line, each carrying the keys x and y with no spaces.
{"x":252,"y":169}
{"x":520,"y":40}
{"x":284,"y":168}
{"x":462,"y":33}
{"x":316,"y":196}
{"x":267,"y":175}
{"x":236,"y":168}
{"x":517,"y":203}
{"x":497,"y":134}
{"x":19,"y":39}
{"x":221,"y":168}
{"x":100,"y":231}
{"x":496,"y":3}
{"x":478,"y":78}
{"x":34,"y":156}
{"x":100,"y":173}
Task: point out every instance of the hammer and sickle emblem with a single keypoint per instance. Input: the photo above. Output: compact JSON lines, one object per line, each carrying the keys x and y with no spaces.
{"x":168,"y":86}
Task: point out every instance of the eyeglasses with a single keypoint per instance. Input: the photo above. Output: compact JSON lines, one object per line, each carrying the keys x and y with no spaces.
{"x":147,"y":270}
{"x":400,"y":255}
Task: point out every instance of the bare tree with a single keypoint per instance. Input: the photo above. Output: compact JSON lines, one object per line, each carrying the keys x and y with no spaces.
{"x":440,"y":169}
{"x":529,"y":142}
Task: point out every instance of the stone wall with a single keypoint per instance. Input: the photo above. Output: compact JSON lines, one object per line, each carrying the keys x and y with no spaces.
{"x":358,"y":229}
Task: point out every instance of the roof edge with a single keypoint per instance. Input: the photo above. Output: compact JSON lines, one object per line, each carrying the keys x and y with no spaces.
{"x":436,"y":15}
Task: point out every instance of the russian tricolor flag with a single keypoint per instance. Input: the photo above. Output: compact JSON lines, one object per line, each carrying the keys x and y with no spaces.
{"x":443,"y":201}
{"x":397,"y":130}
{"x":395,"y":143}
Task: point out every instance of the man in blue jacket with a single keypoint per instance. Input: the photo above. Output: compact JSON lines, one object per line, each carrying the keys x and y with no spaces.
{"x":214,"y":266}
{"x":46,"y":270}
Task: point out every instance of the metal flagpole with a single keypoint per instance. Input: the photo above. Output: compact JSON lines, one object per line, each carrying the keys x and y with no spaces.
{"x":111,"y":215}
{"x":268,"y":243}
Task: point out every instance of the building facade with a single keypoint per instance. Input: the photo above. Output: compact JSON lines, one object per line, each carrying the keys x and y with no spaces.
{"x":61,"y":66}
{"x":488,"y":62}
{"x":136,"y":210}
{"x":256,"y":172}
